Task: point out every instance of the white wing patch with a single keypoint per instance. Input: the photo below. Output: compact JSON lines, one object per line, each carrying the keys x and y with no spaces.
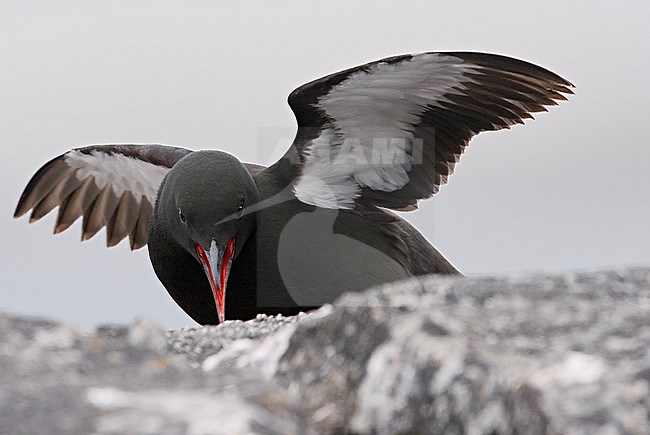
{"x":369,"y":142}
{"x":326,"y":181}
{"x":121,"y":172}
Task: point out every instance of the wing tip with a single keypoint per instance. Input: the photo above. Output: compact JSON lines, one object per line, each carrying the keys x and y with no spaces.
{"x":136,"y":244}
{"x":86,"y":234}
{"x":409,"y":207}
{"x":18,"y":213}
{"x":112,"y":241}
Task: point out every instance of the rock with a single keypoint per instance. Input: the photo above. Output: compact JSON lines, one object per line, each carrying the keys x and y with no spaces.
{"x":535,"y":354}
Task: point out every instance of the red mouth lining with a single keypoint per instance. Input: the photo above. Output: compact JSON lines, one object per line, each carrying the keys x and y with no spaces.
{"x":220,"y":290}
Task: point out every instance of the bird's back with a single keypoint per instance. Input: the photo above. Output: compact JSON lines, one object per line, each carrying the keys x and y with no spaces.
{"x":423,"y":258}
{"x":311,"y":255}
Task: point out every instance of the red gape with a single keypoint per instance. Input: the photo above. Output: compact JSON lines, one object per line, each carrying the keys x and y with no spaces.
{"x":219,"y":291}
{"x":225,"y":263}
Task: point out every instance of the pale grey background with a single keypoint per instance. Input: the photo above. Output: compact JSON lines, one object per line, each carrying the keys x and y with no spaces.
{"x":567,"y":191}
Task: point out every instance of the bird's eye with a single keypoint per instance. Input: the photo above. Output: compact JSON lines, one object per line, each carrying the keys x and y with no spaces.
{"x":240,"y":209}
{"x":181,"y":216}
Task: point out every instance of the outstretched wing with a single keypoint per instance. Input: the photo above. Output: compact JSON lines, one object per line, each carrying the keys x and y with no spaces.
{"x":109,"y":185}
{"x":389,"y":133}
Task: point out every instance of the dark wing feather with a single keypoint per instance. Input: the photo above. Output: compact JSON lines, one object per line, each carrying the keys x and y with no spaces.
{"x":112,"y":186}
{"x":436,"y":101}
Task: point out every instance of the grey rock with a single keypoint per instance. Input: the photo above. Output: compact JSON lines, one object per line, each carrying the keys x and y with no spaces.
{"x":522,"y":354}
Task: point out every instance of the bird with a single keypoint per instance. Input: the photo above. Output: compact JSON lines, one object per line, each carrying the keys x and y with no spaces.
{"x":230,"y":240}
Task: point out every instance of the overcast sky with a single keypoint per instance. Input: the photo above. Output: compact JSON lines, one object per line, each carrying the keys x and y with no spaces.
{"x":568,"y":191}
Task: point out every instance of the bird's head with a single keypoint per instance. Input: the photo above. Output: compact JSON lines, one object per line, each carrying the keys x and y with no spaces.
{"x":203,"y":204}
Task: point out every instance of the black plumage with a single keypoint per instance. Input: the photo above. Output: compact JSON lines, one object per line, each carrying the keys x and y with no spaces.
{"x":301,"y":232}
